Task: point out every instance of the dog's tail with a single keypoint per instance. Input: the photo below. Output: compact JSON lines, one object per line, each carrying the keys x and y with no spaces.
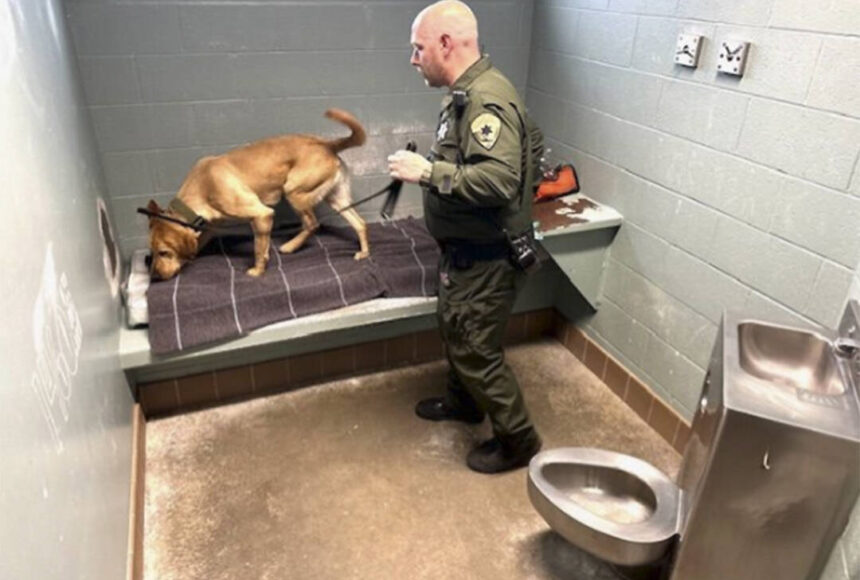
{"x":358,"y":136}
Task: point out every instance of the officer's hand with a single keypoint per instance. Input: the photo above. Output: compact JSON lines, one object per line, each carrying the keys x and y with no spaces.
{"x":408,"y":166}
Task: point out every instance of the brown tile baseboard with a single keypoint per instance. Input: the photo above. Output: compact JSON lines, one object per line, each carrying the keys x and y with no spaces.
{"x":201,"y":390}
{"x":134,"y":562}
{"x":673,"y":428}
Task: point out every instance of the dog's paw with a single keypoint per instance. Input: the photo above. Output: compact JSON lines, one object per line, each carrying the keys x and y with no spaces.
{"x":288,"y":248}
{"x":255,"y":271}
{"x":361,"y":255}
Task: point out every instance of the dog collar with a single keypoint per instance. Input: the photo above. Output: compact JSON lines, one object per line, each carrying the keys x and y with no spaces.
{"x":194,"y":220}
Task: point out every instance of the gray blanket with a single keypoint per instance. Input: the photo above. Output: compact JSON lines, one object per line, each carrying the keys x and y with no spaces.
{"x":212,"y":299}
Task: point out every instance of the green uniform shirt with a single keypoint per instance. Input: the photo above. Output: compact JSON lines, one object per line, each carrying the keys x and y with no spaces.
{"x":481,"y":160}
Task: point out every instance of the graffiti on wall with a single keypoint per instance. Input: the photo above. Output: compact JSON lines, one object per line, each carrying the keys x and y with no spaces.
{"x":57,"y":338}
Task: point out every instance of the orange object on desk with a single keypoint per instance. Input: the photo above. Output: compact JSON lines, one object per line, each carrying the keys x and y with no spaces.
{"x":565,"y":181}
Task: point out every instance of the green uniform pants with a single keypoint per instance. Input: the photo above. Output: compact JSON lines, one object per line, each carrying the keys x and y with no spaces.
{"x":474,"y":306}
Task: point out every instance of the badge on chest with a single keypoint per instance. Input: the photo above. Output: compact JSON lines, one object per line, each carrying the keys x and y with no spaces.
{"x":442,"y":131}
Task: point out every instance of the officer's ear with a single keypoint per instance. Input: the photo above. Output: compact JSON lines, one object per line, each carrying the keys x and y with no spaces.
{"x":446,"y":43}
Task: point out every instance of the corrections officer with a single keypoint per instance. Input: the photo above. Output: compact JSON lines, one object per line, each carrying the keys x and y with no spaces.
{"x":478,"y":185}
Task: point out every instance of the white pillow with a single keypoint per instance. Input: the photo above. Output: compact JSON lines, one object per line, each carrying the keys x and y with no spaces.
{"x":135,"y":290}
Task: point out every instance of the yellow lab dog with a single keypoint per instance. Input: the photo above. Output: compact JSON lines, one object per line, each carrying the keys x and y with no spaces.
{"x":244,"y":183}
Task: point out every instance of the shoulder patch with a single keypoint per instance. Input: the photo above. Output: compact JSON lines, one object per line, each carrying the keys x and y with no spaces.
{"x":485,"y":129}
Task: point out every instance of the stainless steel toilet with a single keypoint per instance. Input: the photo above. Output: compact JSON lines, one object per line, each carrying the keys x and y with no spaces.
{"x":615,"y":506}
{"x":770,"y":472}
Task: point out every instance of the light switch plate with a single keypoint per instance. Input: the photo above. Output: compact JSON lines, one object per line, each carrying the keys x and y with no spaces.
{"x":687,"y":50}
{"x":733,"y":57}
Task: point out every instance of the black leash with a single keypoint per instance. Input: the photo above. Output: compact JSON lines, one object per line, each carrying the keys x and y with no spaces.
{"x":392,"y":189}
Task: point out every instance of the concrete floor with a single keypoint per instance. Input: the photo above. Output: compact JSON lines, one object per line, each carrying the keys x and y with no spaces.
{"x":342,"y":480}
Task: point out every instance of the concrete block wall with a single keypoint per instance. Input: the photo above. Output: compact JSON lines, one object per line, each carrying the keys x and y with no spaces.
{"x":65,"y":405}
{"x":171,"y":81}
{"x":740,"y":193}
{"x":737,"y":193}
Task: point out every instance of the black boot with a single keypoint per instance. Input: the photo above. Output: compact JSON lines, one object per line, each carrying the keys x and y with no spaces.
{"x":438,"y":409}
{"x":503,"y":454}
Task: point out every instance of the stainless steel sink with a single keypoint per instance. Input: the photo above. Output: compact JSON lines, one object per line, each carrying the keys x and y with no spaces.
{"x":792,"y":374}
{"x":789,"y":357}
{"x":771,"y":471}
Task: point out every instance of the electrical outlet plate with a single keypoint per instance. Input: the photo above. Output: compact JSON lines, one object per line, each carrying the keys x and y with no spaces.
{"x":687,"y":50}
{"x":733,"y":57}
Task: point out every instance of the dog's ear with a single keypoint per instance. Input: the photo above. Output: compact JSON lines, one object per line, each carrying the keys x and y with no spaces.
{"x":153,"y":207}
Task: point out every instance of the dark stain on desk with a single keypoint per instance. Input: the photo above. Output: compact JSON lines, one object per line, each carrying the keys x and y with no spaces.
{"x":546,"y":213}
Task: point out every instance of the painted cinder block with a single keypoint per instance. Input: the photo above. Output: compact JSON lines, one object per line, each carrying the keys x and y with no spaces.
{"x":832,"y":87}
{"x":605,"y":37}
{"x":731,"y":11}
{"x":124,"y":29}
{"x":703,"y":114}
{"x":109,"y":80}
{"x":180,"y":77}
{"x":818,"y":146}
{"x":704,"y":288}
{"x":674,"y":372}
{"x":224,"y":28}
{"x":837,"y":16}
{"x":819,"y":219}
{"x":828,"y":294}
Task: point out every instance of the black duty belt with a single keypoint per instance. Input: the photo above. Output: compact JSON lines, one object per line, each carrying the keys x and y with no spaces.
{"x":476,"y":252}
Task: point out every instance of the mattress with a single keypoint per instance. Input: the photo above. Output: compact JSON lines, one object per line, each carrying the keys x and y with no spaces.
{"x":212,"y":299}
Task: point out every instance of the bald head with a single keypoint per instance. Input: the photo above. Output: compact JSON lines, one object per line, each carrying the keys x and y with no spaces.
{"x":444,"y":41}
{"x":450,"y":17}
